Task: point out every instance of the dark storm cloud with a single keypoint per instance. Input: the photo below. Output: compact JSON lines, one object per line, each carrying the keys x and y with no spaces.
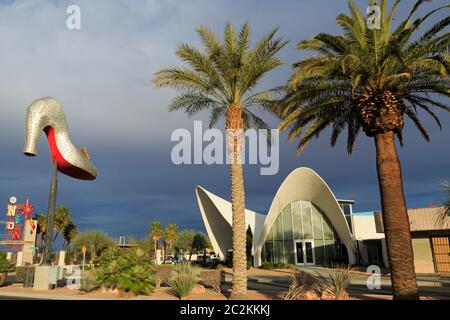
{"x":101,"y":74}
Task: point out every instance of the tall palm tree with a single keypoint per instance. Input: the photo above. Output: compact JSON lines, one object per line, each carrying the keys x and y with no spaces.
{"x":370,"y":79}
{"x":222,"y":79}
{"x":156,"y":232}
{"x":171,"y":234}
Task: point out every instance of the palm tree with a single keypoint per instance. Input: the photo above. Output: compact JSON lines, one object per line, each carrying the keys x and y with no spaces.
{"x":41,"y":226}
{"x":200,"y":243}
{"x":62,"y":219}
{"x":370,"y":79}
{"x":63,"y":224}
{"x":222,"y":79}
{"x":170,"y":235}
{"x":156,"y":232}
{"x":69,"y":233}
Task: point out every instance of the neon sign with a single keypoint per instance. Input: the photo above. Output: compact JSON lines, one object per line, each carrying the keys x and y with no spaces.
{"x":18,"y":215}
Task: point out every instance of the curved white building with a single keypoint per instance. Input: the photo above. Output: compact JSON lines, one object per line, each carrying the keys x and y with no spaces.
{"x":305,"y":224}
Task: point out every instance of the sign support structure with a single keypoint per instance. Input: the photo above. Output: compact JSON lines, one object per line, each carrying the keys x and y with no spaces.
{"x":47,"y":260}
{"x":83,"y":249}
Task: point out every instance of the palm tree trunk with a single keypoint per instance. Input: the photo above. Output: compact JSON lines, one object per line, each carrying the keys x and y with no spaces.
{"x":155,"y":252}
{"x":239,"y":252}
{"x":235,"y":124}
{"x":164,"y":258}
{"x":395,"y":218}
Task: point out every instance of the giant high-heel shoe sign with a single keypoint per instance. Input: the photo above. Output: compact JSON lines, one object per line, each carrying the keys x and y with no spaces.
{"x":47,"y":115}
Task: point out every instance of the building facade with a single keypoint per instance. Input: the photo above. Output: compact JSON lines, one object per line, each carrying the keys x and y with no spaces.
{"x":304,"y":225}
{"x":307,"y":225}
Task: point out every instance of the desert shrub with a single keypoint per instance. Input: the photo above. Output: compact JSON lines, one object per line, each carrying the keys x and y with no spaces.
{"x":213,"y":264}
{"x":267,"y":265}
{"x":277,"y":265}
{"x":129,"y":271}
{"x":220,"y":267}
{"x":334,"y":282}
{"x":162,"y":274}
{"x":184,"y":279}
{"x":301,"y":282}
{"x":21,"y":273}
{"x":212,"y":278}
{"x":88,"y":284}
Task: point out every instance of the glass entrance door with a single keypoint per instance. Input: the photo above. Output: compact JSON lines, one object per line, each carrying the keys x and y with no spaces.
{"x":304,"y":252}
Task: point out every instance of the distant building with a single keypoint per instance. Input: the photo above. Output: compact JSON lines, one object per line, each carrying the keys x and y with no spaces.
{"x":430,"y":239}
{"x":122,"y":243}
{"x":307,"y":225}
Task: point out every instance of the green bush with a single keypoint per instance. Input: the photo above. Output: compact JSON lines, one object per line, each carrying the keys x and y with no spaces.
{"x":128,"y":271}
{"x":277,"y":265}
{"x":5,"y":264}
{"x":184,"y":280}
{"x":109,"y":255}
{"x":5,"y":267}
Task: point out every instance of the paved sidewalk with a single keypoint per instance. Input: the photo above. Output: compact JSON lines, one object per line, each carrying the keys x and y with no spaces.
{"x":430,"y":286}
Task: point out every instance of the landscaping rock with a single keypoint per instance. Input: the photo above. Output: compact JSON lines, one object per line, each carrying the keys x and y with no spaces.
{"x":198,"y":289}
{"x":108,"y":290}
{"x":327,"y":295}
{"x":309,"y":295}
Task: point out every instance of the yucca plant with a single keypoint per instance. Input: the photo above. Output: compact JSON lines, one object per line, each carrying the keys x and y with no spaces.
{"x":371,"y":79}
{"x":222,"y":79}
{"x":184,"y":279}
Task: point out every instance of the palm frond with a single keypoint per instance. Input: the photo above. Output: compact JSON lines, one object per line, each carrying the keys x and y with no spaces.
{"x":223,"y":73}
{"x":324,"y":88}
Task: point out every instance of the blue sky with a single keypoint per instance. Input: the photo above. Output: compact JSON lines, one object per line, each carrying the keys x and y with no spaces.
{"x":101,"y":74}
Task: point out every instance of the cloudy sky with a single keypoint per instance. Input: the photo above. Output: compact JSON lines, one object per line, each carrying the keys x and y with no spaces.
{"x":102,"y":76}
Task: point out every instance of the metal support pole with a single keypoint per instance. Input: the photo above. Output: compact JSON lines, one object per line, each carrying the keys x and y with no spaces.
{"x":84,"y":259}
{"x":50,"y":217}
